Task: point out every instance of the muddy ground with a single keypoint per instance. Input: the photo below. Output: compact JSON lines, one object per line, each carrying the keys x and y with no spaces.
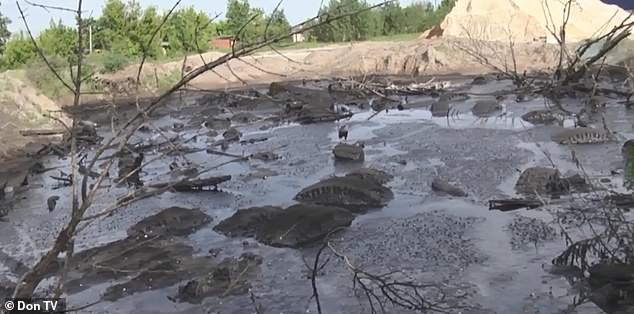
{"x":485,"y":261}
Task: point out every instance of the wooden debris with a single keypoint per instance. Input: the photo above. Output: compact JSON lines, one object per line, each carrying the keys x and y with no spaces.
{"x":623,"y":201}
{"x":254,"y":140}
{"x":513,"y":204}
{"x":42,"y":132}
{"x":194,"y":185}
{"x":214,"y":152}
{"x":65,"y":181}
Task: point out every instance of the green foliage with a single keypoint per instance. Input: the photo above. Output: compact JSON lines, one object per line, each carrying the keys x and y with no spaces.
{"x":58,"y":40}
{"x":278,"y":24}
{"x":18,"y":51}
{"x":188,"y":30}
{"x":124,"y":29}
{"x":113,"y":61}
{"x":5,"y":34}
{"x":238,"y":14}
{"x":420,"y":17}
{"x":37,"y":72}
{"x":390,"y":19}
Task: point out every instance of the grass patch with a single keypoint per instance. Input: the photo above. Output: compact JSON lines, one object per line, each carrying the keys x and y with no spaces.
{"x":396,"y":37}
{"x":166,"y":80}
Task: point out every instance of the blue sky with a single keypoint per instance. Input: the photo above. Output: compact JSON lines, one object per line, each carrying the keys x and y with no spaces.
{"x":296,"y":10}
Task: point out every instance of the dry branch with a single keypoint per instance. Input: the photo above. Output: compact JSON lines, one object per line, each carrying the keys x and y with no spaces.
{"x":30,"y":281}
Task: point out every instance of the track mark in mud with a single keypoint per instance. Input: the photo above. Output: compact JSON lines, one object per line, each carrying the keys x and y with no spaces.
{"x":529,"y":232}
{"x":433,"y":239}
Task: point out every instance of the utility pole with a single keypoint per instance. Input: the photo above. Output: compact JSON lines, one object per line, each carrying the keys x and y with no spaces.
{"x":90,"y":38}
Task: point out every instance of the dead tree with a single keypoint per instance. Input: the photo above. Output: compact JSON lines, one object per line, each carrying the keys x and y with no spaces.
{"x":83,"y":196}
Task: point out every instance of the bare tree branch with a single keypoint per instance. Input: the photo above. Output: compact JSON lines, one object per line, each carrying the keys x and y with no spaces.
{"x":40,"y":52}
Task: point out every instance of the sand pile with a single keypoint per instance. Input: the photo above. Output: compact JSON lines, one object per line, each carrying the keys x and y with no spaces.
{"x":21,"y":106}
{"x":427,"y":57}
{"x":527,"y":20}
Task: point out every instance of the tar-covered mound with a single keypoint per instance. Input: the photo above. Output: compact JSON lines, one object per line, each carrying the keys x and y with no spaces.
{"x":357,"y":191}
{"x":155,"y":256}
{"x":298,"y":225}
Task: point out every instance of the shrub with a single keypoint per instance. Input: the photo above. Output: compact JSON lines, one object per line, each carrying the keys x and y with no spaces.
{"x":113,"y":62}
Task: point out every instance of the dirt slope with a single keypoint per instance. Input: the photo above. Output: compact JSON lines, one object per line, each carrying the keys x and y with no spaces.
{"x":21,"y":106}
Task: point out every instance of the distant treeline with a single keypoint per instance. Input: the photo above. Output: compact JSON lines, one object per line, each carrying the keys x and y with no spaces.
{"x":123,"y":31}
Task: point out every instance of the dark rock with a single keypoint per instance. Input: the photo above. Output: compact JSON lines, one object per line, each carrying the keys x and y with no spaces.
{"x":627,"y":150}
{"x":315,"y":114}
{"x":265,"y":156}
{"x":357,"y":192}
{"x":351,"y":152}
{"x":302,"y":224}
{"x":217,"y":124}
{"x":378,"y":176}
{"x":228,"y":278}
{"x":522,"y":98}
{"x":541,"y":180}
{"x":607,"y":296}
{"x":440,"y":108}
{"x":215,"y":252}
{"x":51,"y":202}
{"x":244,"y":117}
{"x":542,"y":117}
{"x":479,"y":80}
{"x":295,"y":226}
{"x":178,"y":126}
{"x":583,"y":135}
{"x":486,"y":108}
{"x":442,"y":185}
{"x":173,"y":221}
{"x":245,"y":222}
{"x":602,"y":274}
{"x":612,"y":287}
{"x":232,"y":135}
{"x":156,"y":260}
{"x":277,"y":88}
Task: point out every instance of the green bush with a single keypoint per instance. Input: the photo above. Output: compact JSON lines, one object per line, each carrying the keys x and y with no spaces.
{"x":113,"y":62}
{"x":43,"y":79}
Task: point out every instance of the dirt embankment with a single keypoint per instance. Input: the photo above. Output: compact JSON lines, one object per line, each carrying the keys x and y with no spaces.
{"x":21,"y":106}
{"x":412,"y":58}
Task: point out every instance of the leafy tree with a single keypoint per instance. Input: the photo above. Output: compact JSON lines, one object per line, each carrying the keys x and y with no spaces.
{"x":58,"y":39}
{"x":278,"y":24}
{"x":393,"y":22}
{"x":418,"y":17}
{"x":141,"y":32}
{"x":356,"y":27}
{"x":4,"y":31}
{"x":238,"y":13}
{"x":111,"y":25}
{"x":18,"y":51}
{"x":188,"y":29}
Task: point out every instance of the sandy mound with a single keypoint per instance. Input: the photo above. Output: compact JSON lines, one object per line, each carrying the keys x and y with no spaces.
{"x":425,"y":57}
{"x":21,"y":106}
{"x":527,"y":20}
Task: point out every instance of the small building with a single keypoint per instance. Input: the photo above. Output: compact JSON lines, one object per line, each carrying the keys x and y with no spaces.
{"x":165,"y":46}
{"x":299,"y":37}
{"x":223,"y":42}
